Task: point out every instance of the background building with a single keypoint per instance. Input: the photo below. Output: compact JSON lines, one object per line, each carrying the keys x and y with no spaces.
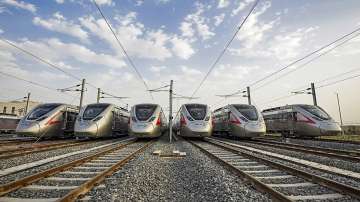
{"x":16,"y":107}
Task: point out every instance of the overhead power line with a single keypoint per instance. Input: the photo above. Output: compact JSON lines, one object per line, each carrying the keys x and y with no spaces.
{"x":322,"y":86}
{"x":308,"y":62}
{"x":31,"y":82}
{"x":123,"y":49}
{"x":225,"y":48}
{"x":304,"y":57}
{"x":40,"y":59}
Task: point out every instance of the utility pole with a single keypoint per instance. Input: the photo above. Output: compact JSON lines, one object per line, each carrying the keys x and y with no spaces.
{"x":170,"y":110}
{"x":82,"y":93}
{"x":248,"y":95}
{"x":98,"y":95}
{"x":338,"y":101}
{"x":313,"y":93}
{"x":27,"y":103}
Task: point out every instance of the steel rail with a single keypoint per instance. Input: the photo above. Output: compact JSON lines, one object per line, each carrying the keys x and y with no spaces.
{"x":313,"y":139}
{"x":87,"y":186}
{"x":40,"y":148}
{"x":340,"y":154}
{"x":13,"y":186}
{"x":331,"y":184}
{"x":260,"y":186}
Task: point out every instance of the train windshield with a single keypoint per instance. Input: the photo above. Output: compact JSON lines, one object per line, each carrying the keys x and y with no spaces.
{"x":145,"y":111}
{"x":248,"y":111}
{"x":316,"y":111}
{"x":197,"y":111}
{"x":92,"y":111}
{"x":41,"y":111}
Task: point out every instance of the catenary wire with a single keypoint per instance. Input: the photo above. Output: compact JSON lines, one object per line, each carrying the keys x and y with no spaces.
{"x":123,"y":49}
{"x":225,"y":48}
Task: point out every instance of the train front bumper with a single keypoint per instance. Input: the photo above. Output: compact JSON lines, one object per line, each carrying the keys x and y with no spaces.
{"x":31,"y":129}
{"x":85,"y":129}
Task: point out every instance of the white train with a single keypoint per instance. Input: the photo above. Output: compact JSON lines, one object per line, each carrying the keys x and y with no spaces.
{"x":147,"y":120}
{"x":300,"y":120}
{"x":193,"y":120}
{"x":48,"y":120}
{"x":101,"y":120}
{"x":239,"y":120}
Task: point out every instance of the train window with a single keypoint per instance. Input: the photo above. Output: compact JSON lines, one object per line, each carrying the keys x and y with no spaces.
{"x":248,"y":111}
{"x":316,"y":111}
{"x":41,"y":111}
{"x":197,"y":111}
{"x":93,"y":111}
{"x":4,"y":110}
{"x":12,"y":110}
{"x":143,"y":112}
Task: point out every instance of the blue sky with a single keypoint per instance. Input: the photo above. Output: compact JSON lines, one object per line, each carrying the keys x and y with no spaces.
{"x":179,"y":40}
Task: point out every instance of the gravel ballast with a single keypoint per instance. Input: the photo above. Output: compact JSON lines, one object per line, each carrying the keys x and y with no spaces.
{"x":195,"y":177}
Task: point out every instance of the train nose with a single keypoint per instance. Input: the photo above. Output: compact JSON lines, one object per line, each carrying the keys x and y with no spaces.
{"x":330,"y":128}
{"x":142,"y":127}
{"x":28,"y":128}
{"x":85,"y":129}
{"x":255,"y":128}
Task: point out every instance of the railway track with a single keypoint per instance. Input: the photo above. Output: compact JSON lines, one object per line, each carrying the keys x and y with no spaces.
{"x":11,"y":153}
{"x":282,"y":182}
{"x":277,"y":138}
{"x":350,"y":155}
{"x":69,"y":181}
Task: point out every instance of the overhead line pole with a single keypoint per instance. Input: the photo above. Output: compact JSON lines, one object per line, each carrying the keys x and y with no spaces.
{"x":338,"y":102}
{"x":313,"y":92}
{"x":98,"y":95}
{"x":27,"y":103}
{"x":82,"y":93}
{"x":248,"y":94}
{"x":170,"y":110}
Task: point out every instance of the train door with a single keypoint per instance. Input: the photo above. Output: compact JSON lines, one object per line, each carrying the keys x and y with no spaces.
{"x":290,"y":123}
{"x":69,"y":118}
{"x":226,"y":120}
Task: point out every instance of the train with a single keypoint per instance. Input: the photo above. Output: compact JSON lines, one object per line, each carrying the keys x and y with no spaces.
{"x":147,"y":121}
{"x":8,"y":123}
{"x":101,"y":120}
{"x":240,"y":120}
{"x":48,"y":121}
{"x":193,"y":120}
{"x":300,"y":120}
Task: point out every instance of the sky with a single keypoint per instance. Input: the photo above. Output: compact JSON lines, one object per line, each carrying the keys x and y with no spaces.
{"x":180,"y":40}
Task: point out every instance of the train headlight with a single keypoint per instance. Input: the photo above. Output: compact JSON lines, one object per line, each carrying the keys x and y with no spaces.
{"x":207,"y":118}
{"x":97,"y":118}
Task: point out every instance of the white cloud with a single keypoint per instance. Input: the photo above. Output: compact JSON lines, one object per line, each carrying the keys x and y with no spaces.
{"x":59,"y":1}
{"x":219,"y":19}
{"x":105,"y":2}
{"x":163,"y":1}
{"x":157,"y":69}
{"x":196,"y":21}
{"x":1,"y":31}
{"x":56,"y":51}
{"x":138,"y":41}
{"x":223,"y":3}
{"x":182,"y":48}
{"x":241,"y":6}
{"x":20,"y":4}
{"x":253,"y":30}
{"x":59,"y":24}
{"x":189,"y":71}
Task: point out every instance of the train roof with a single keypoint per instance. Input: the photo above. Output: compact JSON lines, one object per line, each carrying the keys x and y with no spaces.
{"x":284,"y":107}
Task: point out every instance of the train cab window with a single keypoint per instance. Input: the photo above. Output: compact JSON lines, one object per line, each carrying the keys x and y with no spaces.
{"x":248,"y":111}
{"x":92,"y":111}
{"x":12,"y":110}
{"x":145,"y":111}
{"x":196,"y":111}
{"x":41,"y":111}
{"x":316,"y":111}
